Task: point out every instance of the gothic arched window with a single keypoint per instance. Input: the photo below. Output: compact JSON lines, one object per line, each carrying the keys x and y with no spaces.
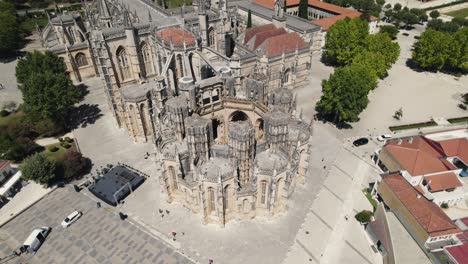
{"x":211,"y":38}
{"x":263,"y":192}
{"x":124,"y":66}
{"x":211,"y":200}
{"x":147,"y":59}
{"x":81,"y":60}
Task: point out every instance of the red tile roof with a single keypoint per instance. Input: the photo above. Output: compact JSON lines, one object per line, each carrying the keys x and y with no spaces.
{"x":4,"y":163}
{"x":327,"y":22}
{"x":422,"y":156}
{"x":177,"y":36}
{"x":262,"y":36}
{"x":429,"y":216}
{"x":455,"y":147}
{"x":251,"y":32}
{"x":276,"y":45}
{"x":459,"y":253}
{"x":443,"y":181}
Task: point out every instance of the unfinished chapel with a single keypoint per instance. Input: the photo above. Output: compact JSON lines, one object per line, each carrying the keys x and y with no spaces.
{"x":215,"y":97}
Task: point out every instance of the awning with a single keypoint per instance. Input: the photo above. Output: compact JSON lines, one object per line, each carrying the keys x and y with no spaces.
{"x":12,"y":181}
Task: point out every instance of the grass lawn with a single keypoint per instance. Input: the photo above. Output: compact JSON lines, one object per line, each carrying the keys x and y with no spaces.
{"x":11,"y":118}
{"x":29,"y":24}
{"x":459,"y":13}
{"x":369,"y":197}
{"x":59,"y":153}
{"x":412,"y":126}
{"x":178,"y":3}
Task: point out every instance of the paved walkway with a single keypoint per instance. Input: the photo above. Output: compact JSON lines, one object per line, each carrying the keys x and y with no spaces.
{"x":52,"y":140}
{"x":27,"y":196}
{"x":326,"y":236}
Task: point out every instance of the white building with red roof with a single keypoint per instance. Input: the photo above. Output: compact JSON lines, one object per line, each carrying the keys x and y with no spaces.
{"x":431,"y":163}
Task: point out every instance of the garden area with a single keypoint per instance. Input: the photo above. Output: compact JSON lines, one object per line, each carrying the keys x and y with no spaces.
{"x":49,"y":111}
{"x":463,"y":13}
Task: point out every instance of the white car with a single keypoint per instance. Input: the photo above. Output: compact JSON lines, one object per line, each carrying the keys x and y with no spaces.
{"x":384,"y":137}
{"x":70,"y":219}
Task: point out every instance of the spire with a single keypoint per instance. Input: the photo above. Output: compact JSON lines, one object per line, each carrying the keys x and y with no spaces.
{"x":104,"y":9}
{"x":150,"y":19}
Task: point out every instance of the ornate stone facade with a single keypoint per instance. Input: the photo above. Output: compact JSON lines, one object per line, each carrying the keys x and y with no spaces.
{"x":214,"y":97}
{"x":199,"y":42}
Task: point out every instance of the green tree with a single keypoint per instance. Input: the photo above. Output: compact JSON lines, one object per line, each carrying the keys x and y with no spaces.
{"x":397,"y":7}
{"x":380,"y":2}
{"x":10,"y":37}
{"x":364,"y":216}
{"x":344,"y":40}
{"x":249,"y":19}
{"x":285,"y":6}
{"x":38,"y":62}
{"x":38,"y":168}
{"x":458,"y":51}
{"x":381,"y":43}
{"x":390,"y":30}
{"x":434,"y":14}
{"x":303,"y":9}
{"x":73,"y":165}
{"x":345,"y":93}
{"x":409,"y":18}
{"x":431,"y":50}
{"x":374,"y":61}
{"x":47,"y":91}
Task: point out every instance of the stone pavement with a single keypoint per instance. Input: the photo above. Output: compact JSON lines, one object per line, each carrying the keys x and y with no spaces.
{"x":326,"y":236}
{"x":257,"y":241}
{"x":27,"y":196}
{"x":99,"y":236}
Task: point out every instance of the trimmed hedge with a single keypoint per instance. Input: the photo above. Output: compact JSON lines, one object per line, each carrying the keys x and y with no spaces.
{"x":412,"y":126}
{"x":65,"y":145}
{"x":458,"y":120}
{"x":53,"y":148}
{"x":445,"y":5}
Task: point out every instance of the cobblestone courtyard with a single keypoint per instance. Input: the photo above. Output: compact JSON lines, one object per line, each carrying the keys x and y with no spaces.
{"x":99,"y":236}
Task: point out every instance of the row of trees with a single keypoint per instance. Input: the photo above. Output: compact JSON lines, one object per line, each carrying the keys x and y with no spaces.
{"x":439,"y":50}
{"x":399,"y":15}
{"x":369,"y":7}
{"x":362,"y":59}
{"x":10,"y":33}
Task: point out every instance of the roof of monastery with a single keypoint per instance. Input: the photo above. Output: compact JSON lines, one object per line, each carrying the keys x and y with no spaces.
{"x":64,"y":18}
{"x":177,"y":35}
{"x":216,"y":167}
{"x":434,"y":221}
{"x":419,"y":155}
{"x":325,"y":23}
{"x":292,"y":22}
{"x":272,"y":41}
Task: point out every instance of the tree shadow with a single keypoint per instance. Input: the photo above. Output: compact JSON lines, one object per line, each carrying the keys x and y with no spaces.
{"x":327,"y":61}
{"x":83,"y":89}
{"x":12,"y":56}
{"x":414,"y":66}
{"x":329,"y":118}
{"x":84,"y":115}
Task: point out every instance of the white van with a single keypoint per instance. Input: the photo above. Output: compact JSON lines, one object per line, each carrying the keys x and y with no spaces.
{"x":35,"y":239}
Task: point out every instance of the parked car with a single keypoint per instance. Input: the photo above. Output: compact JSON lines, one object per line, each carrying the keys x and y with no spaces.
{"x":384,"y":137}
{"x":70,"y":219}
{"x":360,"y":142}
{"x":35,"y":239}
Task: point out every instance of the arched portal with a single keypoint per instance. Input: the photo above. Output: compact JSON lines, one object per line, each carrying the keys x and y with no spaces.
{"x":227,"y":198}
{"x":143,"y":119}
{"x":238,"y":116}
{"x":216,"y":124}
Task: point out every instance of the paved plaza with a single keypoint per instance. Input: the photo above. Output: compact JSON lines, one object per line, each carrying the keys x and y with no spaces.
{"x":99,"y":236}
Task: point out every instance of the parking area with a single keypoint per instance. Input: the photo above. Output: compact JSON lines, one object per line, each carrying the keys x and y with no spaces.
{"x":99,"y":236}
